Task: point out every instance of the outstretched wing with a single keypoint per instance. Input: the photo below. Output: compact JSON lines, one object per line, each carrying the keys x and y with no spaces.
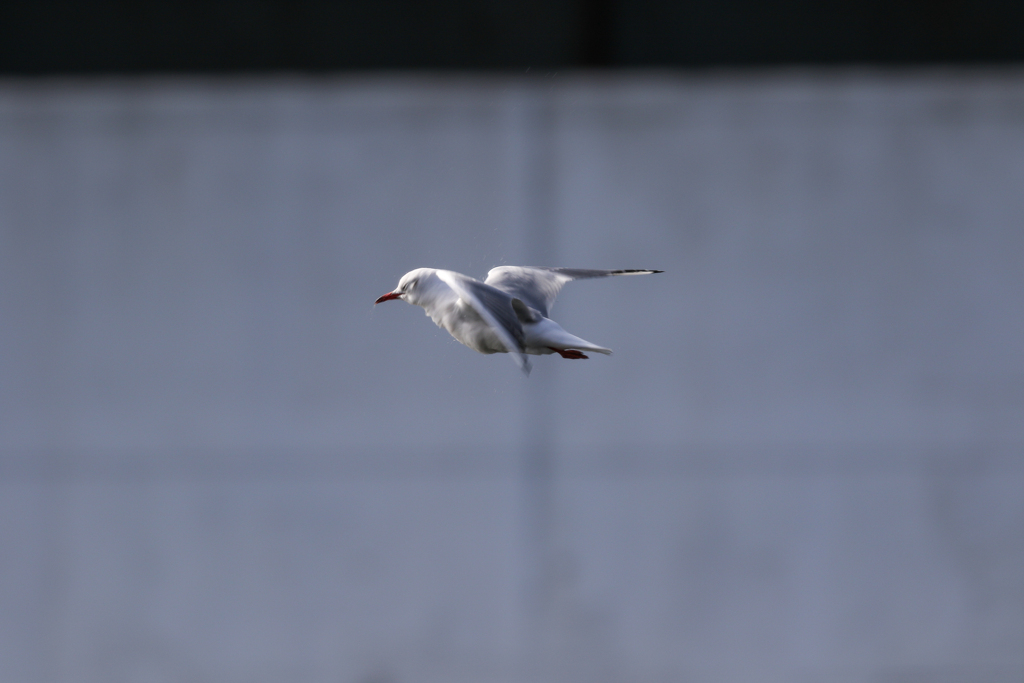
{"x":495,"y":307}
{"x":538,"y":286}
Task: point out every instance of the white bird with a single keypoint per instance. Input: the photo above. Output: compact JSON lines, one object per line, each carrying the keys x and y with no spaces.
{"x":507,"y":313}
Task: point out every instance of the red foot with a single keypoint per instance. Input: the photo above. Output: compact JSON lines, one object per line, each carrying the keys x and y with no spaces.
{"x":569,"y":353}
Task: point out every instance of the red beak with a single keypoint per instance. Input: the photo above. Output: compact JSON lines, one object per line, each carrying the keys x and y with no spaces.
{"x":388,"y":297}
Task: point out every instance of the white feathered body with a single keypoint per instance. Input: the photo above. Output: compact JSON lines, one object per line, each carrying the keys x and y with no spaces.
{"x":507,"y":313}
{"x":541,"y":335}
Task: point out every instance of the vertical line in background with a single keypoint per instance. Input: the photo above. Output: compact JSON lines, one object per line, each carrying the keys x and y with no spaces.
{"x":55,"y":498}
{"x":537,"y":457}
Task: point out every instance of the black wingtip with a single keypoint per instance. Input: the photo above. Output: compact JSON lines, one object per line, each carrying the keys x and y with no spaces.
{"x":636,"y":271}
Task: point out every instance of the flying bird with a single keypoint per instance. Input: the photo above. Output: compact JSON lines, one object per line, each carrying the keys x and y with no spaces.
{"x":506,"y":313}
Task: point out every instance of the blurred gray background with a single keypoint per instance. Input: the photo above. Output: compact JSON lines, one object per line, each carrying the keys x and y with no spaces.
{"x":220,"y":462}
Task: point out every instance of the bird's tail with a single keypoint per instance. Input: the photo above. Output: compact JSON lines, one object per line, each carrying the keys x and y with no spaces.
{"x":547,"y":335}
{"x":595,"y":349}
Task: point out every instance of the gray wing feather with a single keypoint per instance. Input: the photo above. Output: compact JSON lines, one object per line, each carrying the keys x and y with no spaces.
{"x":537,"y":286}
{"x":495,"y":307}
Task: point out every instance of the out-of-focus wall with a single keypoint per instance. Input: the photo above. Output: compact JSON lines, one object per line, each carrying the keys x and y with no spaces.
{"x":804,"y":462}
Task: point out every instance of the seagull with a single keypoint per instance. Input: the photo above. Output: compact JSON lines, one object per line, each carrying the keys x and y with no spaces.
{"x":506,"y":313}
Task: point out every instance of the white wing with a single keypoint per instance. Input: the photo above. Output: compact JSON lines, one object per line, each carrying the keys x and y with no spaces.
{"x":495,"y":307}
{"x":538,"y":286}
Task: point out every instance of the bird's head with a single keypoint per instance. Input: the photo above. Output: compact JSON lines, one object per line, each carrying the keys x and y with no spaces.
{"x":413,"y":288}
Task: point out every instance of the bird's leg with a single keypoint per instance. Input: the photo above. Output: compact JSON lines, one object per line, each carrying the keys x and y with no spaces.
{"x":569,"y":353}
